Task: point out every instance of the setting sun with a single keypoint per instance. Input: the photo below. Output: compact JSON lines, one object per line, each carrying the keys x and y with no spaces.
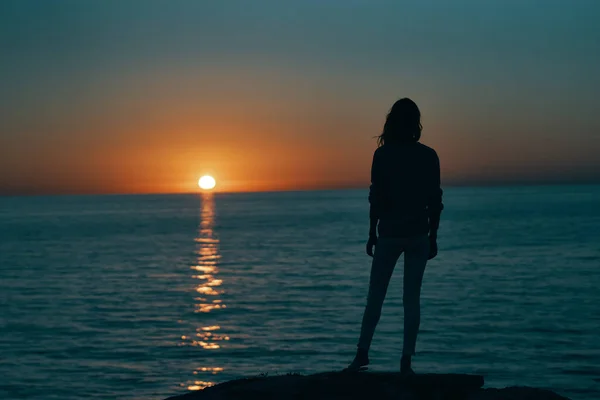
{"x":207,"y":182}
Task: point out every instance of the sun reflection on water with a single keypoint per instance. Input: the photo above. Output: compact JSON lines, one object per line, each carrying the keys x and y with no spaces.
{"x":198,"y":385}
{"x":209,"y":289}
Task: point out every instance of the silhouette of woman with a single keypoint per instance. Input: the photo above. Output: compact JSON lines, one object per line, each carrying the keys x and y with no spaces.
{"x":405,"y":206}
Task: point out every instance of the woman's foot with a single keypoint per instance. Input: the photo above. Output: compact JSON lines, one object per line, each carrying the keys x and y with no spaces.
{"x":405,"y":367}
{"x":361,"y":360}
{"x":407,"y":373}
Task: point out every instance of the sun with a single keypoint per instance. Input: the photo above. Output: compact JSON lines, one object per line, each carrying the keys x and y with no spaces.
{"x":207,"y":182}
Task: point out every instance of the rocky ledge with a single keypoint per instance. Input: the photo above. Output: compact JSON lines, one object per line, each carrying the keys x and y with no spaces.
{"x":367,"y":386}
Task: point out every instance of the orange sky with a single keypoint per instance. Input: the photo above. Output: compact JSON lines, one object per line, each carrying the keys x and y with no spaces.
{"x":105,"y":99}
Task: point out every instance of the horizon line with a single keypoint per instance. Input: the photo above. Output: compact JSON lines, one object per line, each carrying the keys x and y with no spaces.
{"x":292,"y":190}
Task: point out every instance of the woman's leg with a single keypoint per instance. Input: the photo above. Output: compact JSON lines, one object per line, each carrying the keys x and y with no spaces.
{"x":415,"y":260}
{"x":386,"y":255}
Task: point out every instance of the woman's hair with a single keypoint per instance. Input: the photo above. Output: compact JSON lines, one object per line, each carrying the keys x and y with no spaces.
{"x":403,"y":123}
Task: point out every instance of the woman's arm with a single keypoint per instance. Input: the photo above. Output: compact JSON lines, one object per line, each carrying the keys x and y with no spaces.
{"x":375,"y":203}
{"x":434,"y":208}
{"x":434,"y":204}
{"x":373,"y":220}
{"x":375,"y":195}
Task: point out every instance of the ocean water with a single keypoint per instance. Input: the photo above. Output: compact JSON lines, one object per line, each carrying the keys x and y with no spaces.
{"x":144,"y":297}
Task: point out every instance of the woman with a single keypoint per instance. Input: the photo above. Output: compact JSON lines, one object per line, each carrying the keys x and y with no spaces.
{"x":406,"y":203}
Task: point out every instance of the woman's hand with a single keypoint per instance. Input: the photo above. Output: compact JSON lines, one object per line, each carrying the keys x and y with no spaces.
{"x":433,"y":247}
{"x":371,"y":244}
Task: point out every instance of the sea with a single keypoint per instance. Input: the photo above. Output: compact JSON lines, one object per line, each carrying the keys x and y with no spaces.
{"x":150,"y":296}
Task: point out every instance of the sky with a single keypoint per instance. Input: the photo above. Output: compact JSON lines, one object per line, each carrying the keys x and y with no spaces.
{"x":124,"y":96}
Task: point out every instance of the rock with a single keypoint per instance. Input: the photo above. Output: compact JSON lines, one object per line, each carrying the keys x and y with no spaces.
{"x":365,"y":385}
